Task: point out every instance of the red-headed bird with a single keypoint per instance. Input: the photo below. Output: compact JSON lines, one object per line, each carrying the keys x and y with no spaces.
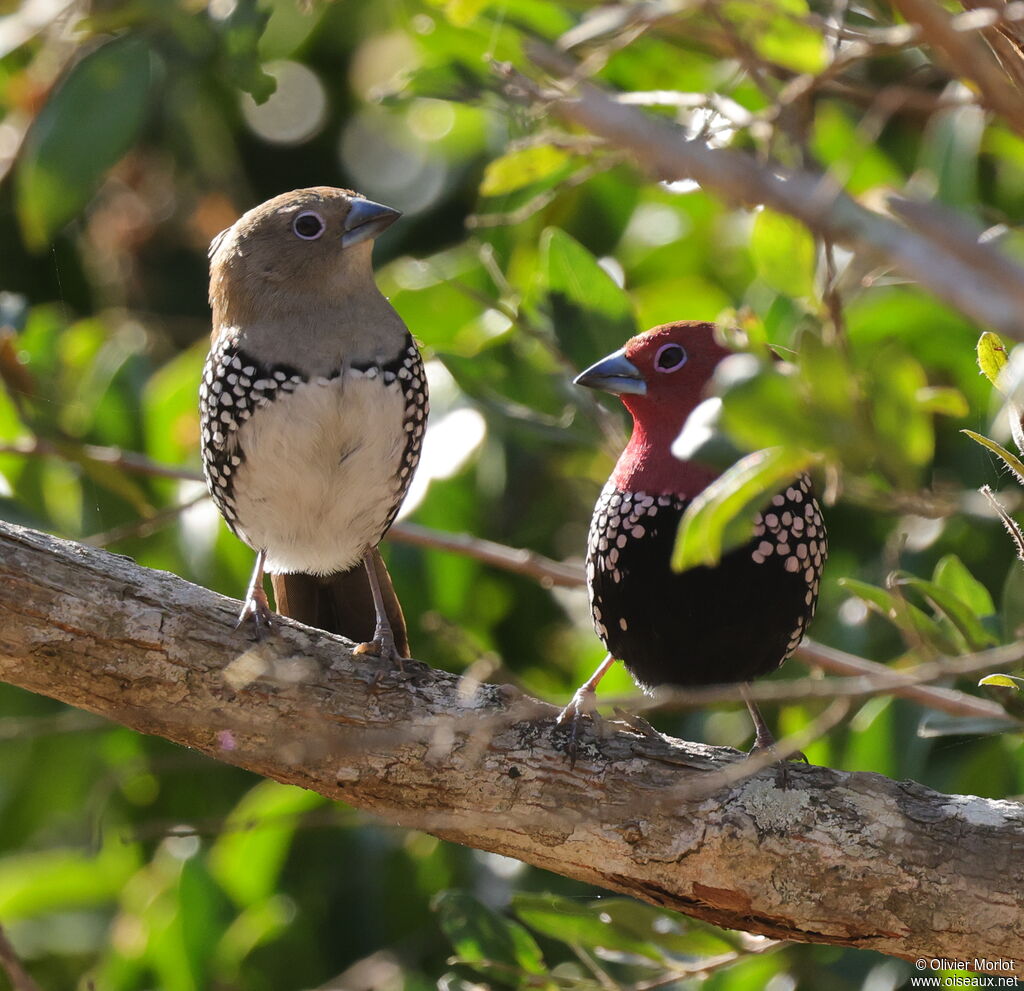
{"x":708,"y":625}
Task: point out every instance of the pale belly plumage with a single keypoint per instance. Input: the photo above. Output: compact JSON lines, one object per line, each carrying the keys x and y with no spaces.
{"x":319,"y":482}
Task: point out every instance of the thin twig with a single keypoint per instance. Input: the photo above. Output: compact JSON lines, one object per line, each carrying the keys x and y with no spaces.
{"x":115,"y":457}
{"x":1011,"y":525}
{"x":19,"y":977}
{"x":881,"y":680}
{"x":967,"y":56}
{"x":517,"y":560}
{"x":146,"y":526}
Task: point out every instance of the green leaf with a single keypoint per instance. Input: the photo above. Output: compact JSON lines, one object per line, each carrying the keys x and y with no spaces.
{"x":905,"y":434}
{"x":589,"y":313}
{"x":670,"y":932}
{"x":480,"y":935}
{"x":779,"y":31}
{"x":463,"y":12}
{"x":952,"y":574}
{"x":579,"y":924}
{"x":763,"y":406}
{"x":1003,"y":681}
{"x":721,"y":517}
{"x":1011,"y":460}
{"x":254,"y":926}
{"x":949,"y":151}
{"x":522,"y":168}
{"x":991,"y":356}
{"x":92,"y":118}
{"x":249,"y":854}
{"x":974,"y":634}
{"x":905,"y":616}
{"x":839,"y":143}
{"x":784,"y":253}
{"x":943,"y":400}
{"x":826,"y":374}
{"x":54,"y":880}
{"x":242,"y":30}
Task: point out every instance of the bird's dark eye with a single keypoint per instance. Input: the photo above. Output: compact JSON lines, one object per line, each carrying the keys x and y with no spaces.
{"x":309,"y":225}
{"x":669,"y":358}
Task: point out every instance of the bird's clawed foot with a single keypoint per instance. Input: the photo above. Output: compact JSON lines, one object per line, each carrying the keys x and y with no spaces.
{"x":768,"y":747}
{"x":257,"y":608}
{"x":383,"y":643}
{"x":583,"y":705}
{"x":257,"y":605}
{"x":383,"y":646}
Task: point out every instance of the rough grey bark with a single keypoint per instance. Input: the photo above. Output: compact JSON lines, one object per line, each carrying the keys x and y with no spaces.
{"x":805,"y":853}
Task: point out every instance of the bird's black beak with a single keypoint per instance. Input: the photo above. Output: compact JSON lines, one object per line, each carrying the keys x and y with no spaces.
{"x":366,"y":220}
{"x":615,"y":374}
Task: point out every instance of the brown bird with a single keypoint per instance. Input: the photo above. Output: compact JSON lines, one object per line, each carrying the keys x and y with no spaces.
{"x":313,"y":407}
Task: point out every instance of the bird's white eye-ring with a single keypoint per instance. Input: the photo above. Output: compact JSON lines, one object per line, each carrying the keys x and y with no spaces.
{"x":308,"y":225}
{"x":669,"y":358}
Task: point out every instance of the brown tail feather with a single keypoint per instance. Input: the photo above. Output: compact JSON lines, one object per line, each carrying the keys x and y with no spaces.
{"x":342,"y":603}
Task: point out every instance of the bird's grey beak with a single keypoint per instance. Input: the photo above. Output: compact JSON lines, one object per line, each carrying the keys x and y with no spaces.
{"x":615,"y":374}
{"x":366,"y":220}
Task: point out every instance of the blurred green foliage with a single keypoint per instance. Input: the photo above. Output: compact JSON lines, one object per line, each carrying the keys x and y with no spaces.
{"x":131,"y":133}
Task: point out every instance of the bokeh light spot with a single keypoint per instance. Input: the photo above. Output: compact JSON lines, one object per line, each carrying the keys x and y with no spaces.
{"x":295,"y":112}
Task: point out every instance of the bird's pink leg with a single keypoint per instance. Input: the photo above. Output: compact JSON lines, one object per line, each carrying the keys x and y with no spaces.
{"x":584,"y":702}
{"x":256,"y":604}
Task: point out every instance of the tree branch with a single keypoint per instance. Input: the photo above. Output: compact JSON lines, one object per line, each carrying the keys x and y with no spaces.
{"x":807,"y":853}
{"x":974,"y":278}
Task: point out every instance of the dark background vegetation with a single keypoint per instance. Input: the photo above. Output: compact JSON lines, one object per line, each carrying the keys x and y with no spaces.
{"x":131,"y":133}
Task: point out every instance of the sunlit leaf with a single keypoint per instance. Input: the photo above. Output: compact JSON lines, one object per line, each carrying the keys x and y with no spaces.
{"x":481,"y":935}
{"x":254,"y":926}
{"x":55,"y":880}
{"x":779,"y":31}
{"x":952,"y":574}
{"x":764,"y":407}
{"x":944,"y":401}
{"x":826,"y":374}
{"x":1010,"y":460}
{"x":590,"y":315}
{"x":521,"y":168}
{"x":974,"y":634}
{"x":906,"y":437}
{"x":783,"y":250}
{"x":91,"y":119}
{"x":991,"y":356}
{"x":1003,"y":681}
{"x":838,"y":142}
{"x":721,"y":517}
{"x":250,"y":852}
{"x":949,"y":152}
{"x":907,"y":617}
{"x":581,"y":924}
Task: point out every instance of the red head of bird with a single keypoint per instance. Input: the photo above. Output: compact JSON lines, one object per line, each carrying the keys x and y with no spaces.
{"x":661,"y":376}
